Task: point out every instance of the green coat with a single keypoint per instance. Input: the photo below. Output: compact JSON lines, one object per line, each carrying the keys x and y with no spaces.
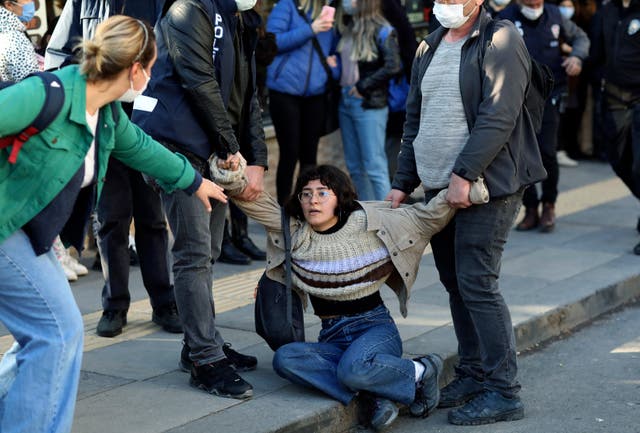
{"x":49,"y":160}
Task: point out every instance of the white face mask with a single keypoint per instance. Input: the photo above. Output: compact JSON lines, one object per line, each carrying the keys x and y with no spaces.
{"x":567,"y":11}
{"x":130,"y":95}
{"x":245,"y":5}
{"x":531,"y":13}
{"x":502,"y":2}
{"x":450,"y":16}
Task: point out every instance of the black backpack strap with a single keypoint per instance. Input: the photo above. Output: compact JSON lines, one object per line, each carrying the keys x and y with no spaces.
{"x":286,"y":230}
{"x":53,"y":102}
{"x":316,"y":44}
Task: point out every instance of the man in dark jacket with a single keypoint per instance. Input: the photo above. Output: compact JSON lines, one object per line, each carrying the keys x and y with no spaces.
{"x":544,"y":29}
{"x":202,"y":100}
{"x":471,"y":124}
{"x":125,"y":194}
{"x":616,"y":46}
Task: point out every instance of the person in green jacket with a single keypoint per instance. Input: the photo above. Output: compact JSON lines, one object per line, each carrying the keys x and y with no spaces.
{"x":52,"y":182}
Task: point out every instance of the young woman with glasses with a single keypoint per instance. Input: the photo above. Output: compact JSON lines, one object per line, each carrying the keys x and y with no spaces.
{"x":343,"y":251}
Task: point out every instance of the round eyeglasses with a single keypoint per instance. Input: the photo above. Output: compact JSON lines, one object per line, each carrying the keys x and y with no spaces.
{"x":307,"y":196}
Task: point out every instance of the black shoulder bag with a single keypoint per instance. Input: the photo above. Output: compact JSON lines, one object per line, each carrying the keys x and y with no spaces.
{"x":332,"y":91}
{"x":278,"y":313}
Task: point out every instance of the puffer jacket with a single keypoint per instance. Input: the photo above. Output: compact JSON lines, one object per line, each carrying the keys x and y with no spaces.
{"x":502,"y":143}
{"x":17,"y":55}
{"x":297,"y":69}
{"x":373,"y":84}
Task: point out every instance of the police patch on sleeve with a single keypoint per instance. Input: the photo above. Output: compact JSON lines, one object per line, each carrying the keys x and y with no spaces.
{"x":634,"y":26}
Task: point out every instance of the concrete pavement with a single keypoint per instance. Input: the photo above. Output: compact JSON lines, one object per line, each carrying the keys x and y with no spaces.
{"x":551,"y":282}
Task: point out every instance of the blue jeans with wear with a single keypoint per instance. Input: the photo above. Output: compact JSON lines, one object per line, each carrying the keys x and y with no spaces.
{"x":39,"y":310}
{"x":353,"y":353}
{"x":363,"y":138}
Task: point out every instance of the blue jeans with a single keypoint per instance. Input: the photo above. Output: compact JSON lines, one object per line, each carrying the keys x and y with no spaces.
{"x":353,"y":353}
{"x":197,"y":241}
{"x":468,"y":254}
{"x":363,"y":138}
{"x":38,"y":308}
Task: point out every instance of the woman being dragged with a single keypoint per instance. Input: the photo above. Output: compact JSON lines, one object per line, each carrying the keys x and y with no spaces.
{"x":342,"y":252}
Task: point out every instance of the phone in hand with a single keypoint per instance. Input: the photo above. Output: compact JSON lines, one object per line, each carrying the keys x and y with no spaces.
{"x":328,"y":12}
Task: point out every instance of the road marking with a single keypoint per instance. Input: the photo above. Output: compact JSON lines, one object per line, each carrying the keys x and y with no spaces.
{"x":237,"y":290}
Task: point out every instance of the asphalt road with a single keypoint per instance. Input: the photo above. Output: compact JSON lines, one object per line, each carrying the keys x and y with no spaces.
{"x":587,"y":382}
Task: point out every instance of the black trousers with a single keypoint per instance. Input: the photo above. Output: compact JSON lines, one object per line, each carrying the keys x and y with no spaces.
{"x":622,"y":131}
{"x":298,"y":121}
{"x":125,"y":195}
{"x":548,"y":143}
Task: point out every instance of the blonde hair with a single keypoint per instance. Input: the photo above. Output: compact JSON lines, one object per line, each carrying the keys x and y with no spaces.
{"x":315,"y":6}
{"x":119,"y":42}
{"x":363,"y":30}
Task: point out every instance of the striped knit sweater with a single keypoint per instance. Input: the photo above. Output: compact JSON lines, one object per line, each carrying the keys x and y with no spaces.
{"x":349,"y":264}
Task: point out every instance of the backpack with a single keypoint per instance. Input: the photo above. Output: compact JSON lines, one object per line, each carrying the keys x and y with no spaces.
{"x":398,"y":84}
{"x":540,"y":83}
{"x":52,"y":106}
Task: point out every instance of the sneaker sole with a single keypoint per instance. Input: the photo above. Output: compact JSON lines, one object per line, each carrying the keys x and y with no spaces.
{"x":387,"y":423}
{"x":165,"y":327}
{"x":513,"y":415}
{"x":245,"y":395}
{"x":183,"y":366}
{"x":109,"y":334}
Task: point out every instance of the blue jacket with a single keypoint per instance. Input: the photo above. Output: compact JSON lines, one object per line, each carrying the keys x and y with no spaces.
{"x":297,"y":69}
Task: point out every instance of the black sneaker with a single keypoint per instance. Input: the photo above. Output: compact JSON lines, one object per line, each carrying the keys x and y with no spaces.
{"x":168,"y":318}
{"x":220,"y":378}
{"x":240,"y":362}
{"x":487,"y":408}
{"x":111,"y":323}
{"x":427,"y":390}
{"x":384,"y":414}
{"x":459,"y":391}
{"x":185,"y":362}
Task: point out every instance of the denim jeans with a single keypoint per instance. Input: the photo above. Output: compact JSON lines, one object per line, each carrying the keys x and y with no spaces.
{"x":363,"y":138}
{"x":38,"y":308}
{"x":353,"y":353}
{"x":468,"y":254}
{"x":125,"y":195}
{"x":197,"y":241}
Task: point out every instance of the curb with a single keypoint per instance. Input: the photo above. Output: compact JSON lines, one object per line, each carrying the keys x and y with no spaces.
{"x":530,"y":333}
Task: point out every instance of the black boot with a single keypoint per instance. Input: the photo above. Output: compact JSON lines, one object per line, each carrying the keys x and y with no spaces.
{"x":229,"y":253}
{"x":241,"y":238}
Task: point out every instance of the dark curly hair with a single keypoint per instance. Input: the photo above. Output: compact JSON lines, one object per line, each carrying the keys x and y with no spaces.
{"x":334,"y":179}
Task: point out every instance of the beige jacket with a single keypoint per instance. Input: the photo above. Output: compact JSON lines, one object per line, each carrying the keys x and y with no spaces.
{"x":404,"y":231}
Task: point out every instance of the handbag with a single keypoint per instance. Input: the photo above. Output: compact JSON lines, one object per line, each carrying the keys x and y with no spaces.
{"x":333,"y":90}
{"x":278,"y":313}
{"x":398,"y":92}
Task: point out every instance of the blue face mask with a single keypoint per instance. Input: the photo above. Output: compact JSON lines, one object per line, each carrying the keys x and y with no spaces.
{"x":348,"y":8}
{"x":28,"y":11}
{"x":567,"y":11}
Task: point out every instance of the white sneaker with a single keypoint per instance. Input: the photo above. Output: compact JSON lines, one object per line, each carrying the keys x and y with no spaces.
{"x":564,"y":160}
{"x":75,"y":265}
{"x":61,"y":254}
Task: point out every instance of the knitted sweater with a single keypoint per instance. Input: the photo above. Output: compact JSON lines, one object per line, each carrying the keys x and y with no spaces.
{"x":349,"y":264}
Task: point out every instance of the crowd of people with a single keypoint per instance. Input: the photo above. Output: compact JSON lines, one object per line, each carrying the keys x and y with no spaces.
{"x":156,"y":130}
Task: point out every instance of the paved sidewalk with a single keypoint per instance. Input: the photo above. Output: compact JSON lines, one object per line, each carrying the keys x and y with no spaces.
{"x":552,"y":283}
